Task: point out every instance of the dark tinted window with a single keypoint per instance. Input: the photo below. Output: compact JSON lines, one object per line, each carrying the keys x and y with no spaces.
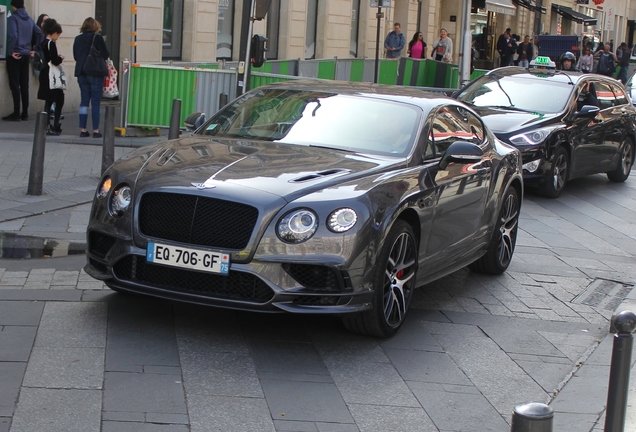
{"x":605,"y":95}
{"x":621,"y":99}
{"x":453,"y":123}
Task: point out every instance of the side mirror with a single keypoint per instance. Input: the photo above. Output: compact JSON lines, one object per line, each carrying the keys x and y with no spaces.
{"x":194,"y":120}
{"x":587,"y":111}
{"x":461,"y":152}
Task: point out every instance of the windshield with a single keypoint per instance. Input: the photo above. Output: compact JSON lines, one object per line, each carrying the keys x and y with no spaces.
{"x":345,"y":122}
{"x":526,"y":93}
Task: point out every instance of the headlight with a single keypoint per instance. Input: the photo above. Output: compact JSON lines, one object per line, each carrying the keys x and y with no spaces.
{"x":104,"y":188}
{"x":532,"y":138}
{"x":297,"y":226}
{"x":120,"y":201}
{"x":532,"y":166}
{"x":342,"y":220}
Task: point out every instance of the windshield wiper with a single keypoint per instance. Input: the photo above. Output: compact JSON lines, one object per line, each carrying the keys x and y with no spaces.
{"x":512,"y":108}
{"x":331,"y":148}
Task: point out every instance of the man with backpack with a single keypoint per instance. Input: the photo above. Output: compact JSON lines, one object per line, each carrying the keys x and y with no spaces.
{"x":22,"y":31}
{"x":606,"y":61}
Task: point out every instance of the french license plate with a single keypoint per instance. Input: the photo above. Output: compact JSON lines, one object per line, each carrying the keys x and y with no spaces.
{"x":189,"y":258}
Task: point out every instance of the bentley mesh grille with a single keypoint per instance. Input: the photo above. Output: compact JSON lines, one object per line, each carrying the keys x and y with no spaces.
{"x":315,"y":277}
{"x":196,"y":220}
{"x":99,"y":244}
{"x":235,"y":286}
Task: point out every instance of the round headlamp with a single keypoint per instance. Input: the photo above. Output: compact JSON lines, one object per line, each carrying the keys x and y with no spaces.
{"x":297,"y":226}
{"x":342,"y":220}
{"x":120,"y":201}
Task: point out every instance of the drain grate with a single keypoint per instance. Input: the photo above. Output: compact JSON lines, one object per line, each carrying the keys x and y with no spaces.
{"x":603,"y":294}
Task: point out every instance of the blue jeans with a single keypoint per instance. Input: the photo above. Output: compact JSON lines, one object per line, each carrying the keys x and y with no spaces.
{"x":622,"y":74}
{"x":91,"y":89}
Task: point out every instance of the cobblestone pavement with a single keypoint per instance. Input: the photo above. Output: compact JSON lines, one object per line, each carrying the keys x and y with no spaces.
{"x":74,"y":356}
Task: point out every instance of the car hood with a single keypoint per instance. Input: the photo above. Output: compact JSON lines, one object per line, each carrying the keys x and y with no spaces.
{"x":502,"y":121}
{"x":280,"y":169}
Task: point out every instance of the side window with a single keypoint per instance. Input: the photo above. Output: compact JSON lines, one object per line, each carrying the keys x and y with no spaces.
{"x":454,"y":123}
{"x":621,"y":99}
{"x":605,"y":96}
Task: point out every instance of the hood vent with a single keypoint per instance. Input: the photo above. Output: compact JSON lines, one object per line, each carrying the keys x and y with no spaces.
{"x":321,"y":174}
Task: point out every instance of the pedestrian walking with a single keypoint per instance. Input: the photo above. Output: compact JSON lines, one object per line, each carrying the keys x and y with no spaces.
{"x":525,"y":52}
{"x":91,"y":87}
{"x":394,"y":42}
{"x":22,"y":32}
{"x":586,"y":61}
{"x":417,"y":46}
{"x":623,"y":62}
{"x":504,"y":44}
{"x":606,"y":61}
{"x":52,"y":30}
{"x":442,"y":47}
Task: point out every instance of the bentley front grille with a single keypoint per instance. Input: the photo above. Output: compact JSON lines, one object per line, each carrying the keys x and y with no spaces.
{"x":196,"y":220}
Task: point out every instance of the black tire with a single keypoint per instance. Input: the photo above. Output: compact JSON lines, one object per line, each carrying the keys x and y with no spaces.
{"x":557,"y":177}
{"x":393,"y":284}
{"x":504,"y":238}
{"x":621,"y":173}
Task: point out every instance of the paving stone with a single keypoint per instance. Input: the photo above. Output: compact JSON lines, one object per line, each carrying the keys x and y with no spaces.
{"x":16,"y":342}
{"x":305,"y":401}
{"x":286,"y":357}
{"x":426,"y":366}
{"x":20,"y":313}
{"x":180,"y":419}
{"x":143,"y":392}
{"x":228,"y":414}
{"x":55,"y":410}
{"x":39,"y":295}
{"x":459,"y":411}
{"x":114,"y":426}
{"x":295,"y":426}
{"x":77,"y":325}
{"x":374,"y":418}
{"x":64,"y":367}
{"x":11,"y":374}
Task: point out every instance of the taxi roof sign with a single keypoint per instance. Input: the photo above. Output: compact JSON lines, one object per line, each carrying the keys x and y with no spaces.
{"x":543,"y":63}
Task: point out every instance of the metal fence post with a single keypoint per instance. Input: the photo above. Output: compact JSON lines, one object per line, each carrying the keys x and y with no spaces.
{"x":532,"y":417}
{"x":36,"y":172}
{"x":108,"y":149}
{"x":175,"y":119}
{"x":618,"y":389}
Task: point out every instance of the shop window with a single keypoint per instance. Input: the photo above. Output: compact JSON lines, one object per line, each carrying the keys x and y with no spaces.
{"x":225,"y":29}
{"x":172,"y":29}
{"x":310,"y":37}
{"x":273,"y":28}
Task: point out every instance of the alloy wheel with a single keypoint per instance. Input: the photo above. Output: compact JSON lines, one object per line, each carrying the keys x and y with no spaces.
{"x":508,"y":229}
{"x":399,"y":279}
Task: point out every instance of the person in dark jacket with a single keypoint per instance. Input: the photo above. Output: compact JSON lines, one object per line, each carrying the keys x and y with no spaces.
{"x":52,"y":29}
{"x":22,"y":32}
{"x":91,"y":87}
{"x":623,"y":62}
{"x":504,"y":46}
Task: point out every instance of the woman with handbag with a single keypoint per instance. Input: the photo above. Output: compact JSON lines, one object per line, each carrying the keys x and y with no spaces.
{"x":90,"y":53}
{"x":52,"y":84}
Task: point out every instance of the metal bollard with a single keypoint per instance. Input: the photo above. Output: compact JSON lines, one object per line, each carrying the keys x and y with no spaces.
{"x":36,"y":172}
{"x":175,"y":119}
{"x":108,"y":149}
{"x":618,"y":389}
{"x":532,"y":417}
{"x":222,"y":100}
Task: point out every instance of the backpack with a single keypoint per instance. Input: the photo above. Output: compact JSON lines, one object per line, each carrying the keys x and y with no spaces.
{"x":37,"y":60}
{"x":606,"y":64}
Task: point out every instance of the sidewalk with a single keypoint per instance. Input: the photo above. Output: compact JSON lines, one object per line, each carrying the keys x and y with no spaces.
{"x":60,"y":215}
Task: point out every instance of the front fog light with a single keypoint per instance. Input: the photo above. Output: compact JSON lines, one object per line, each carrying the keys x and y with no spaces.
{"x":297,"y":226}
{"x":342,"y":220}
{"x":120,"y":201}
{"x":532,"y":166}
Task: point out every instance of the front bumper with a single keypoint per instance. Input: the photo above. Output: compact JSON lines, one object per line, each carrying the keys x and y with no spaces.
{"x":292,"y":286}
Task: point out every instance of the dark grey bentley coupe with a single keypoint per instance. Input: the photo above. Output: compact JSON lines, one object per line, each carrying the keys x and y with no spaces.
{"x":311,"y":197}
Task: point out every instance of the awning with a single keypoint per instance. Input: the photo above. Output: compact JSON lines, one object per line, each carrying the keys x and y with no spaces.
{"x":529,"y":5}
{"x":573,"y":15}
{"x":501,"y":6}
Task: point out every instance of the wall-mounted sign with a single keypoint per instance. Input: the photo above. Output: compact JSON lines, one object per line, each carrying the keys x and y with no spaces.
{"x":383,"y":3}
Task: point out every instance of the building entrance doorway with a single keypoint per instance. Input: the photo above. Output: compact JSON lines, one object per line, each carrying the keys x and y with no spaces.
{"x":108,"y":13}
